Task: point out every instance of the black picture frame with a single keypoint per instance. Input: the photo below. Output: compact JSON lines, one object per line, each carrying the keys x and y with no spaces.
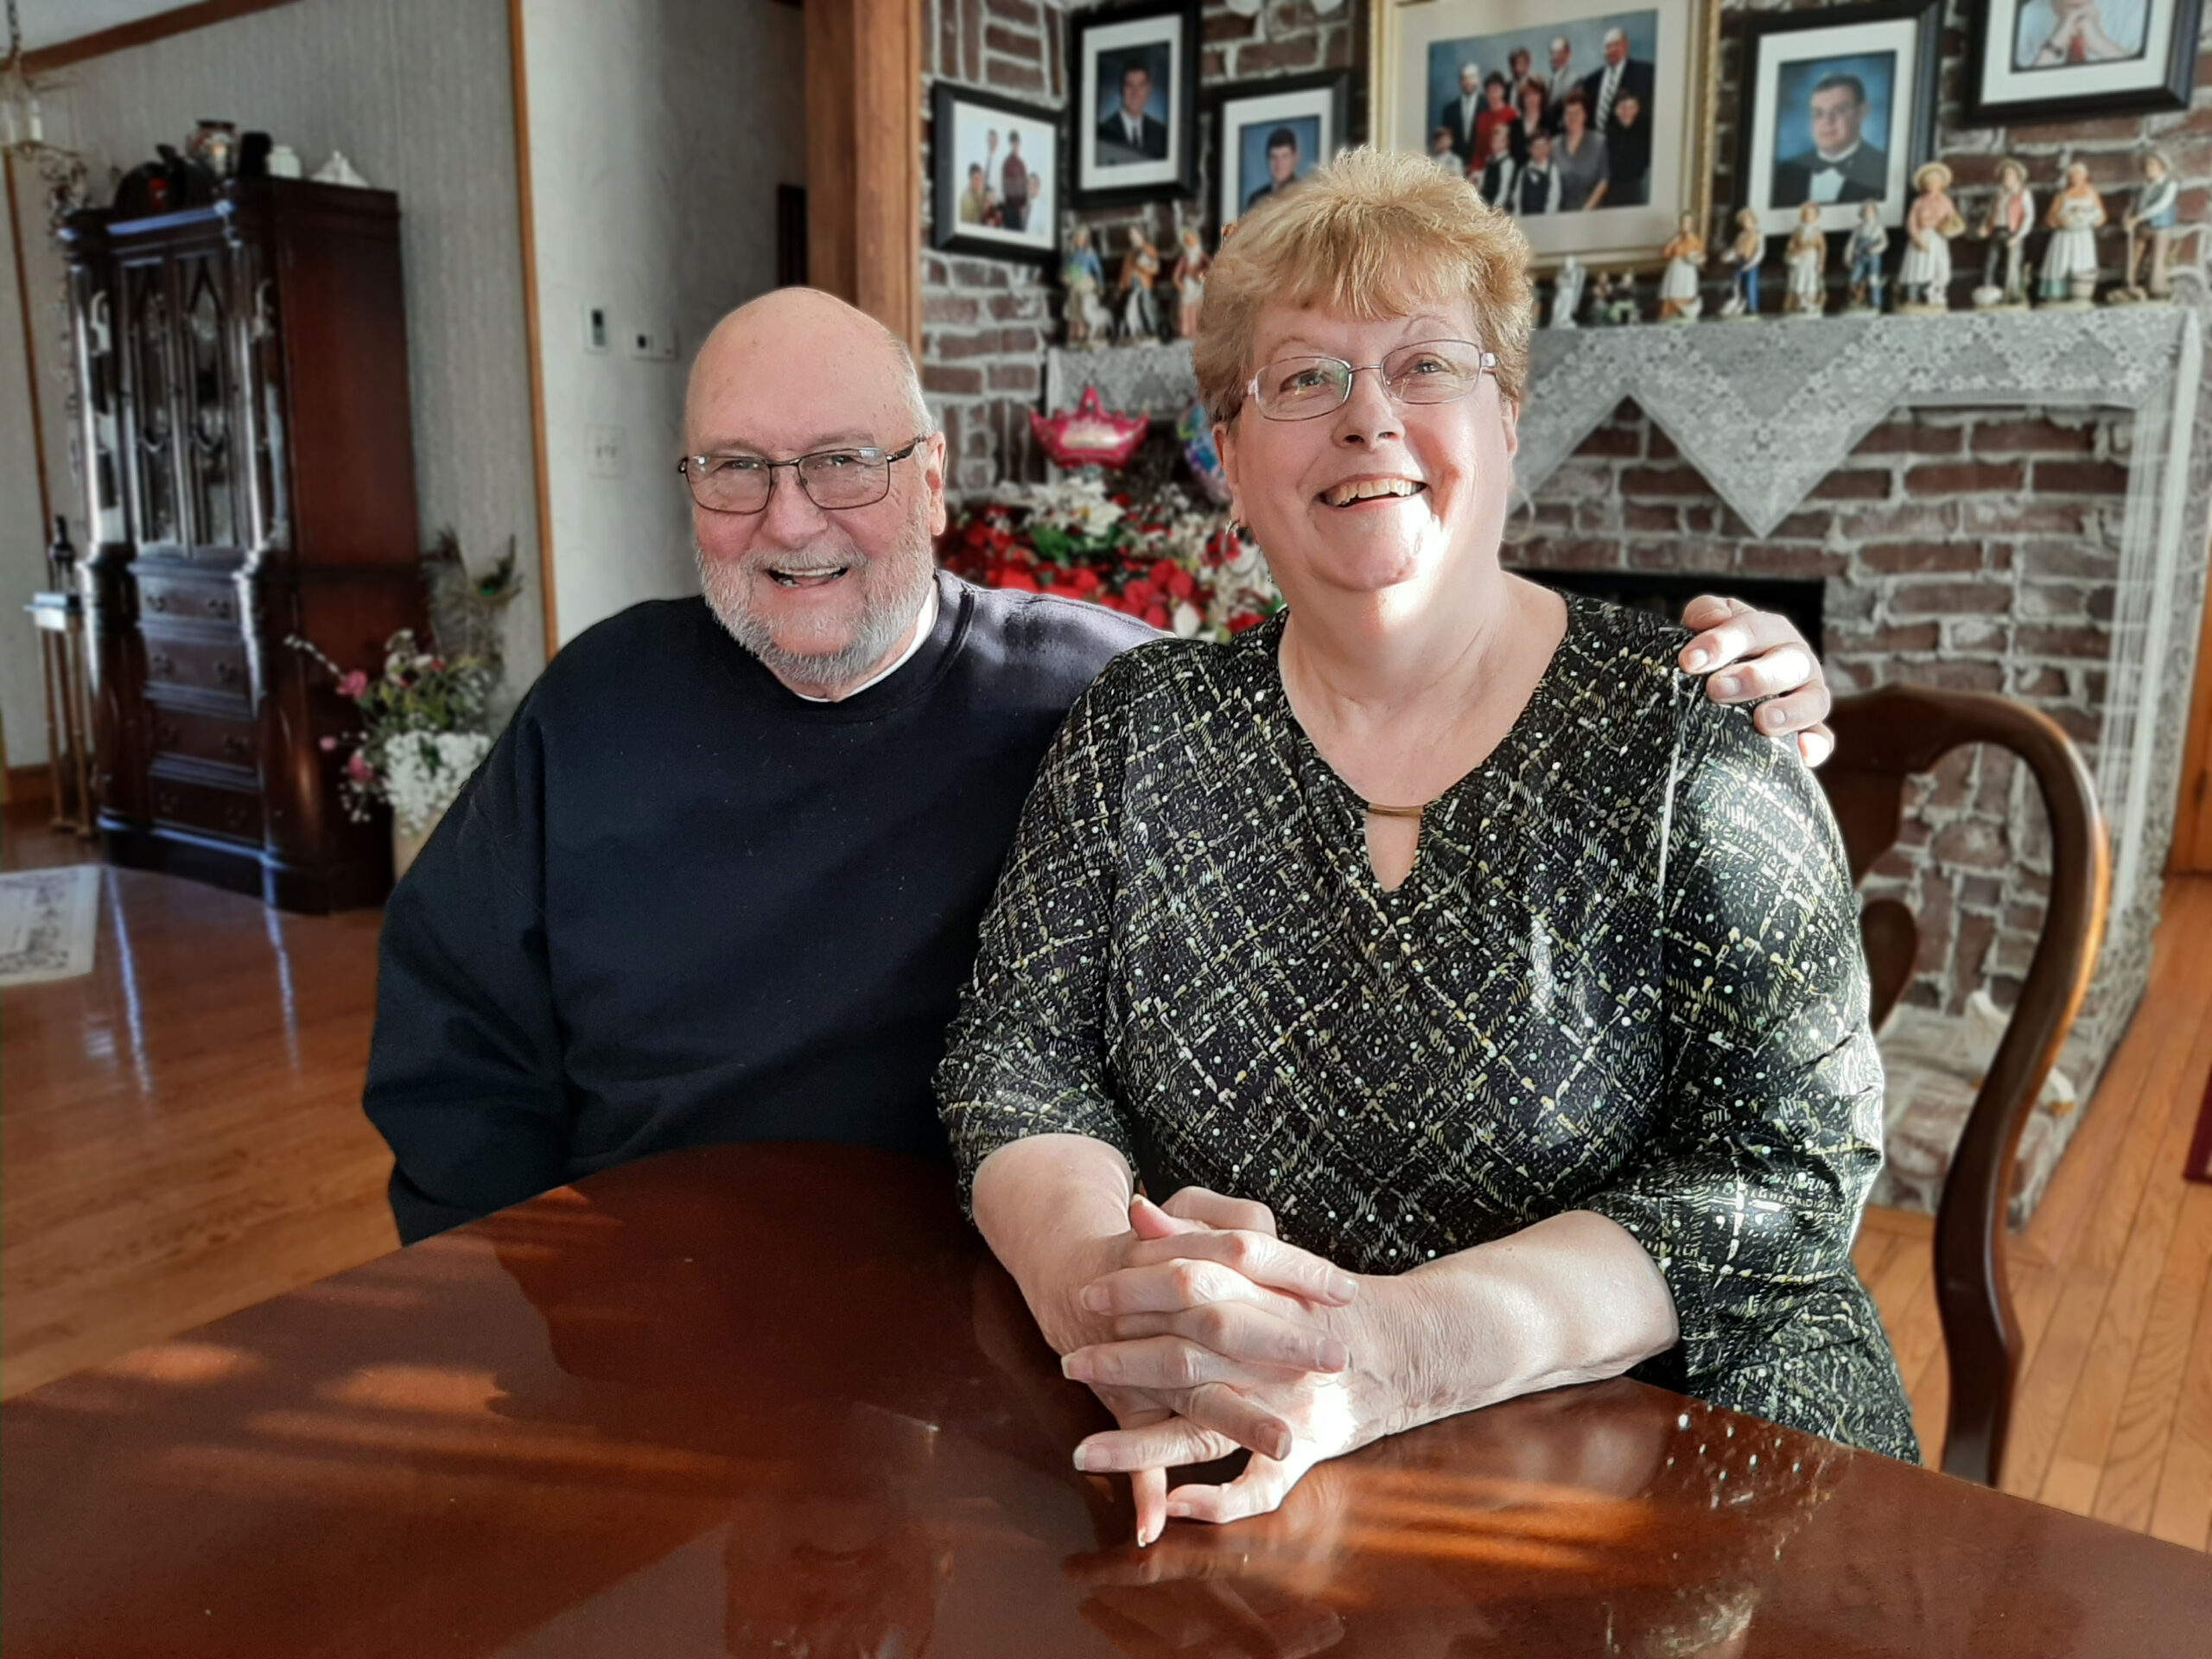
{"x":1172,"y":26}
{"x":1765,"y":37}
{"x":1222,"y":103}
{"x":948,"y":232}
{"x":1988,"y":104}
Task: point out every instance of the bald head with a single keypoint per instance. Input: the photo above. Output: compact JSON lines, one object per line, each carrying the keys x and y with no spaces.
{"x":797,"y":369}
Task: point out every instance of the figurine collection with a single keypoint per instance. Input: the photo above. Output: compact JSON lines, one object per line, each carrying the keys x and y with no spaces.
{"x":2065,"y":278}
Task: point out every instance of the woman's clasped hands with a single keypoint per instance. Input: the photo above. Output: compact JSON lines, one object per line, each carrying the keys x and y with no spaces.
{"x":1219,"y":1335}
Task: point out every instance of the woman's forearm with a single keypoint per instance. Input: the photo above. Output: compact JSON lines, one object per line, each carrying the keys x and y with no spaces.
{"x":1573,"y":1299}
{"x":1051,"y":1208}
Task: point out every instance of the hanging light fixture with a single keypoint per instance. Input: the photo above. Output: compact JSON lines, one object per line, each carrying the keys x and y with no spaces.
{"x":23,"y":129}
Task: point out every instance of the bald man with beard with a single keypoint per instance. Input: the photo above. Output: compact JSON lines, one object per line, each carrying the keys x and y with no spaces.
{"x":720,"y":878}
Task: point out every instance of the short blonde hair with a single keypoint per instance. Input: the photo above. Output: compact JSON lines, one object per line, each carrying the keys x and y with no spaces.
{"x":1377,"y":233}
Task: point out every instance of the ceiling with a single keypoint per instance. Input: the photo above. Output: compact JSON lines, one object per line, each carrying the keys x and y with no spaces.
{"x":49,"y":23}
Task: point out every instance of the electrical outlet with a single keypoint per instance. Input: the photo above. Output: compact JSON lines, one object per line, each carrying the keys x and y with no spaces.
{"x":608,"y":450}
{"x":595,"y":328}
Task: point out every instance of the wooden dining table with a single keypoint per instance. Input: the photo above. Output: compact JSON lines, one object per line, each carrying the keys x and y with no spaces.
{"x":779,"y":1399}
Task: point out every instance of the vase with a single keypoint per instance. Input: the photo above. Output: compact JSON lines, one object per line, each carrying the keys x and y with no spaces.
{"x":405,"y":845}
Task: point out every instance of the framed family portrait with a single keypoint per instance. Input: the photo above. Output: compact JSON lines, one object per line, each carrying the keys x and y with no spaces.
{"x":1838,"y":108}
{"x":2040,"y":59}
{"x":1269,"y":134}
{"x":1132,"y":75}
{"x":1590,"y":121}
{"x":996,"y":169}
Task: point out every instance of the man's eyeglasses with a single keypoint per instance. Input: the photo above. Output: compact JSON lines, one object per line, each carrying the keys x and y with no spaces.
{"x":1427,"y":371}
{"x":859,"y":476}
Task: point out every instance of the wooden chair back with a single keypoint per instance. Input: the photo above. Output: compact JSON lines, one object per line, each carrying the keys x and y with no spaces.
{"x":1883,"y":738}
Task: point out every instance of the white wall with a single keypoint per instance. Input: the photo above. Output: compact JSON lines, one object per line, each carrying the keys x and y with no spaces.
{"x":658,"y":131}
{"x":22,"y":538}
{"x":419,"y":94}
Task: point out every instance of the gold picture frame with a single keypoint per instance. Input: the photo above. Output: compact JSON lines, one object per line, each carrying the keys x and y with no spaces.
{"x":1676,"y":41}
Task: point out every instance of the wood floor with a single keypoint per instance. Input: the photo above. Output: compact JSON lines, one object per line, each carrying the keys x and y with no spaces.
{"x":182,"y":1136}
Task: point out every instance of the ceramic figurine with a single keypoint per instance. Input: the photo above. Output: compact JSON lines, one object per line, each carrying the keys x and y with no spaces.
{"x":1613,"y":301}
{"x":1806,"y":258}
{"x":1139,"y":271}
{"x":1085,"y":279}
{"x":339,"y":170}
{"x":2011,"y":216}
{"x":2069,"y":263}
{"x":1745,"y":253}
{"x":1678,"y":296}
{"x":1566,"y":293}
{"x":2150,"y":223}
{"x":1870,"y":240}
{"x":1190,"y":268}
{"x":1925,"y":278}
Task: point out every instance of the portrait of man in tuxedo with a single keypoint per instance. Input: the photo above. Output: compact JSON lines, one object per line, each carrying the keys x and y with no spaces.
{"x":1129,"y":132}
{"x":1459,"y":115}
{"x":1843,"y":164}
{"x":1620,"y":76}
{"x":1282,"y":166}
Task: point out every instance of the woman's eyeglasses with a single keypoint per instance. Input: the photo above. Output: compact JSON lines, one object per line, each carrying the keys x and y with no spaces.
{"x":1427,"y":371}
{"x":833,"y":479}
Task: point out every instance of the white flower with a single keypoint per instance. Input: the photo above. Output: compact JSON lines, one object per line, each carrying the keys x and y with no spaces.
{"x":1187,"y":620}
{"x":424,"y":771}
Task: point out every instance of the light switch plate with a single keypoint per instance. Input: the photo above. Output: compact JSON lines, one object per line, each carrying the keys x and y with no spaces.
{"x":597,"y":335}
{"x":609,"y":451}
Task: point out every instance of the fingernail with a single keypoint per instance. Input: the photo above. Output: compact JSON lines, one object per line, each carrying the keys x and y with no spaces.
{"x":1769,"y":717}
{"x":1178,"y":1511}
{"x":1082,"y":1458}
{"x":1343,"y":1286}
{"x":1729,"y":685}
{"x":1334,"y":1358}
{"x":1094,"y":1298}
{"x":1694,"y":660}
{"x":1067,"y":1365}
{"x":1279,"y":1447}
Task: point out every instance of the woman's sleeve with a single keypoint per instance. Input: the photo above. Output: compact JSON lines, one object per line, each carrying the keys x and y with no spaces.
{"x":1027,"y":1054}
{"x":1771,"y":1126}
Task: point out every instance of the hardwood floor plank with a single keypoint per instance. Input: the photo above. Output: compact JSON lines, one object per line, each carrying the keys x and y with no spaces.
{"x":2128,"y":1487}
{"x":2183,"y":1513}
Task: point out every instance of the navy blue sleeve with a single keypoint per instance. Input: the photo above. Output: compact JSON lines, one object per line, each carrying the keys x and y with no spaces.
{"x":466,"y":1080}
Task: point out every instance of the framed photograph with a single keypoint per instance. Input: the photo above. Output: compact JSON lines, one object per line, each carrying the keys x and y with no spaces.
{"x":1134,"y":112}
{"x":1590,"y":121}
{"x":997,"y":170}
{"x":1839,"y":108}
{"x":2041,"y":60}
{"x":1269,"y":134}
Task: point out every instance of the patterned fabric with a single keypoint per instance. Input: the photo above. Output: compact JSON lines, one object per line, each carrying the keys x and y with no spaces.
{"x":1623,"y":976}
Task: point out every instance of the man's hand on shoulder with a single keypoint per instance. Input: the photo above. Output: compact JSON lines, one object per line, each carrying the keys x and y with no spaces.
{"x":1752,"y":656}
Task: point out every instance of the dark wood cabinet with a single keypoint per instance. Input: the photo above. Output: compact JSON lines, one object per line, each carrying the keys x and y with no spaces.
{"x":250,"y":475}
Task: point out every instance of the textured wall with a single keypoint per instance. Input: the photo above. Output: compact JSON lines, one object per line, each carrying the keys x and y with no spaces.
{"x":418,"y":94}
{"x":23,"y":541}
{"x":658,"y":131}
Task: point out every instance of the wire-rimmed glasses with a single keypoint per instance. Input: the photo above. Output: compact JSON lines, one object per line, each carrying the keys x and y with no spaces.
{"x":856,"y":475}
{"x":1426,"y":371}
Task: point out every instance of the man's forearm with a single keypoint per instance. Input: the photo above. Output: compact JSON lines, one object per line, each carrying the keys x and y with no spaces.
{"x":1050,"y":1207}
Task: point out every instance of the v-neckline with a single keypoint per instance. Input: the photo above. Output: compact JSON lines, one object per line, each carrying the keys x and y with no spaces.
{"x":1355,"y":803}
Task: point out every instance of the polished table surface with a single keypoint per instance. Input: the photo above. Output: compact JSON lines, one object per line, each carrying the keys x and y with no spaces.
{"x":779,"y":1399}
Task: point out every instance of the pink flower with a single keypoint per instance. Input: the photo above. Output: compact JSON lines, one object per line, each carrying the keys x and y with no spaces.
{"x":354,"y":685}
{"x":329,"y":746}
{"x":358,"y":768}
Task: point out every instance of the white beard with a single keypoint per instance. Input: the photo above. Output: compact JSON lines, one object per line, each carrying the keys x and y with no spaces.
{"x":895,"y":586}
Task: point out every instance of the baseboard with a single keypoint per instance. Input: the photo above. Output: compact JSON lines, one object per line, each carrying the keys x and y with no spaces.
{"x":23,"y":786}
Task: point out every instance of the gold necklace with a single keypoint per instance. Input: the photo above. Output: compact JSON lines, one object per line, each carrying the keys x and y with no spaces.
{"x":1377,"y":809}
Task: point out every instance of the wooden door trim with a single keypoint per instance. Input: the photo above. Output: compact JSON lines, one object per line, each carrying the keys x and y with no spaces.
{"x":863,"y":157}
{"x":532,"y":330}
{"x":143,"y":31}
{"x":2192,"y":845}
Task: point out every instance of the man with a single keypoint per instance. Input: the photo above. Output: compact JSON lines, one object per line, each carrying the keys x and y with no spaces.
{"x":1518,"y":63}
{"x":1129,"y":132}
{"x":975,"y":199}
{"x":1282,"y":166}
{"x":1537,"y":189}
{"x":1840,"y":165}
{"x":720,"y":878}
{"x":1627,"y":154}
{"x":991,"y":164}
{"x":1014,"y":186}
{"x":1621,"y":77}
{"x":1562,"y":56}
{"x":1459,"y":114}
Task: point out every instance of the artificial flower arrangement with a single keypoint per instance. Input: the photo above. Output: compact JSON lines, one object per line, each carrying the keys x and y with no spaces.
{"x":1180,"y":567}
{"x":424,"y":730}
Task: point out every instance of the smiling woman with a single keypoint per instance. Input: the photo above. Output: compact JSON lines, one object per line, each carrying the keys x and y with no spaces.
{"x":1489,"y":998}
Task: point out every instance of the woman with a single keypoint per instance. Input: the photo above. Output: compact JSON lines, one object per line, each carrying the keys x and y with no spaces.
{"x":1535,"y":122}
{"x":1679,"y":300}
{"x":1497,"y":112}
{"x":2070,"y":261}
{"x":1493,"y":998}
{"x":1924,"y":274}
{"x":1584,"y":171}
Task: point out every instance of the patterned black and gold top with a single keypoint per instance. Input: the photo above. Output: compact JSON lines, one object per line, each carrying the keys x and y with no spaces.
{"x":1624,"y":976}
